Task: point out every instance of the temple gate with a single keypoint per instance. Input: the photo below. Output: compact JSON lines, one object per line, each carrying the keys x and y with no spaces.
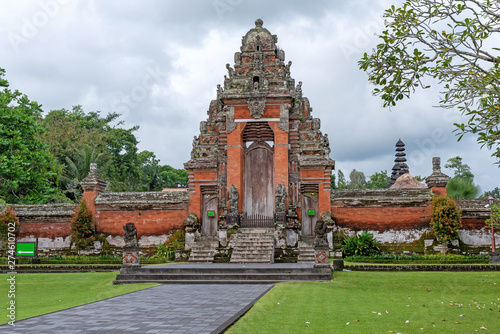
{"x":261,"y":138}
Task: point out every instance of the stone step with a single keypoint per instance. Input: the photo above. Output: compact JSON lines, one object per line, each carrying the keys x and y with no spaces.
{"x":222,"y":273}
{"x":222,"y":277}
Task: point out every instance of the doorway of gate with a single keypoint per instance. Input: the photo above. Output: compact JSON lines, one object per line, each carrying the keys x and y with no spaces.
{"x":209,"y":210}
{"x":309,"y":210}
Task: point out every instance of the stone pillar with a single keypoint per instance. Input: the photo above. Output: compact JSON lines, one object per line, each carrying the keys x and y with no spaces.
{"x":92,"y":186}
{"x":437,"y":181}
{"x":321,"y":249}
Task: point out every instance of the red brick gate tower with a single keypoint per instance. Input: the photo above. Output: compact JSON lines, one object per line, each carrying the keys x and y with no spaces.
{"x":260,"y":152}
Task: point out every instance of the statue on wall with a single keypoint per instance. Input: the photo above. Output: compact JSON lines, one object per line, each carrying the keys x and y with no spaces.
{"x":130,"y":237}
{"x":320,"y":229}
{"x":280,"y":199}
{"x":233,"y":200}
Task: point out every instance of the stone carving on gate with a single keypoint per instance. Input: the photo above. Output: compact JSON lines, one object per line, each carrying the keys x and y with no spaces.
{"x":233,"y":200}
{"x":257,"y":106}
{"x":280,"y":199}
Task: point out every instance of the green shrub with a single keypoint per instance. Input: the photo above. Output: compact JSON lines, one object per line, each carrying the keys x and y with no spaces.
{"x":445,"y":218}
{"x":8,"y":217}
{"x":419,"y":258}
{"x":360,"y":244}
{"x":82,"y":227}
{"x":174,"y":243}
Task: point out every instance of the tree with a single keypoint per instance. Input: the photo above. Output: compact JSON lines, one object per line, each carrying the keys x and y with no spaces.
{"x":495,"y":193}
{"x":453,"y":42}
{"x":379,"y":180}
{"x":123,"y":170}
{"x":358,"y":180}
{"x":460,"y":169}
{"x":342,"y":183}
{"x":462,"y":188}
{"x":28,"y":172}
{"x":171,"y":177}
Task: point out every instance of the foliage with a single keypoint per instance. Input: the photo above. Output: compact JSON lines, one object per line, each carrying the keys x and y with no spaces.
{"x":28,"y":172}
{"x":176,"y":242}
{"x":172,"y":177}
{"x":8,"y":217}
{"x":462,"y":188}
{"x":495,"y":193}
{"x":333,"y":183}
{"x":452,"y":42}
{"x":460,"y":169}
{"x":379,"y":180}
{"x":419,"y":258}
{"x":445,"y":218}
{"x":357,"y":180}
{"x":494,"y":219}
{"x":342,"y":183}
{"x":360,"y":244}
{"x":82,"y":227}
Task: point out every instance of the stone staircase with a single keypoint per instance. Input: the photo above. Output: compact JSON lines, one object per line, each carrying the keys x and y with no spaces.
{"x":223,"y":273}
{"x":306,"y":251}
{"x":203,"y":250}
{"x":254,"y":245}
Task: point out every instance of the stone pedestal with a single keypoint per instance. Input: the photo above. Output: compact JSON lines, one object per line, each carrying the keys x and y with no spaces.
{"x":321,"y":252}
{"x":131,"y":257}
{"x":494,"y":257}
{"x":338,"y":265}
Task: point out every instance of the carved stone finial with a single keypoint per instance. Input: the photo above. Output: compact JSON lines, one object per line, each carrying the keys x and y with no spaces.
{"x":437,"y":179}
{"x":259,"y":23}
{"x":436,"y":164}
{"x":92,"y":182}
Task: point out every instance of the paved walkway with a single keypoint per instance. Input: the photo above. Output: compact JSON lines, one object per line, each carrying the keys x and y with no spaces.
{"x":197,"y":308}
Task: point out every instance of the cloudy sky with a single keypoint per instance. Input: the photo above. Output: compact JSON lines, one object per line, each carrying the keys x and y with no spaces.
{"x":158,"y":64}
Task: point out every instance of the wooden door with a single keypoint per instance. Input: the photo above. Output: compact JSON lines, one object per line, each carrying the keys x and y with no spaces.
{"x":258,"y":180}
{"x":209,"y":224}
{"x":309,"y":202}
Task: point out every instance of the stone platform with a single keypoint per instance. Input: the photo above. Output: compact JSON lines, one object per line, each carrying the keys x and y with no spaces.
{"x":223,"y":273}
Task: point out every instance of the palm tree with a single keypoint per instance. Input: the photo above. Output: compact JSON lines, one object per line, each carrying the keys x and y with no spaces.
{"x":77,"y":169}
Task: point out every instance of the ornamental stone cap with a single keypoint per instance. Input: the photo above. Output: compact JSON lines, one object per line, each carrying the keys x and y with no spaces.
{"x":92,"y":182}
{"x":437,"y":178}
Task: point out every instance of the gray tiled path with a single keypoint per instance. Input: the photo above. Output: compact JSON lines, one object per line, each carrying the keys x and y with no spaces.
{"x":196,"y":308}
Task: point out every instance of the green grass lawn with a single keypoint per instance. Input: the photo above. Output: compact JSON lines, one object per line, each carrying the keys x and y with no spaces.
{"x":376,"y":302}
{"x":44,"y":293}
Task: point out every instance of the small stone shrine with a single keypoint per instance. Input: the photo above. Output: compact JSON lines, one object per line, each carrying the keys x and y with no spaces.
{"x":260,"y":158}
{"x":131,"y":250}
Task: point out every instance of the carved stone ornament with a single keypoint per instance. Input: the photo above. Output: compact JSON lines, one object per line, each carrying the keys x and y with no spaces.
{"x":230,"y":124}
{"x":283,"y":123}
{"x":257,"y":107}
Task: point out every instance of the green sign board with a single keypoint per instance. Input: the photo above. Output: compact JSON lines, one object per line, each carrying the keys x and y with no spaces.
{"x":311,"y":212}
{"x":25,"y":249}
{"x":211,"y":213}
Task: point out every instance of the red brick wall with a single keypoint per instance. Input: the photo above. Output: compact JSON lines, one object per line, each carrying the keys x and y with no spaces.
{"x":382,"y":209}
{"x":45,"y":229}
{"x":148,"y":221}
{"x":381,"y":218}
